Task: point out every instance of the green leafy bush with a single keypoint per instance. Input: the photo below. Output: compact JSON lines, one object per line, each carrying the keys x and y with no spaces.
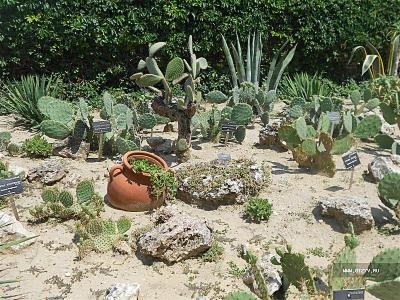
{"x":258,"y":209}
{"x":37,"y":146}
{"x":105,"y":36}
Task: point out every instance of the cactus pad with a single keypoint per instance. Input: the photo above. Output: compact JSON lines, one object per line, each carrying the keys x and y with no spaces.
{"x":389,"y":189}
{"x":216,"y":97}
{"x":368,"y":127}
{"x":55,"y":129}
{"x":50,"y":195}
{"x":342,"y":145}
{"x":240,"y":134}
{"x":239,"y":295}
{"x":301,"y":128}
{"x":84,"y":191}
{"x":387,"y":261}
{"x":241,"y":114}
{"x":103,"y":243}
{"x":175,"y":69}
{"x":384,"y":141}
{"x":309,"y":147}
{"x":123,"y":225}
{"x":386,"y":290}
{"x":147,"y":121}
{"x":66,"y":198}
{"x":182,"y":145}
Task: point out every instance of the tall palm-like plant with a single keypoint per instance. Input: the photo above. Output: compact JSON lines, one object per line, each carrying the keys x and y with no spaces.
{"x":20,"y":97}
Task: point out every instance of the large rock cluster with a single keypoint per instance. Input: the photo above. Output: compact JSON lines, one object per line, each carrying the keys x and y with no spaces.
{"x":177,"y":236}
{"x":218,"y":183}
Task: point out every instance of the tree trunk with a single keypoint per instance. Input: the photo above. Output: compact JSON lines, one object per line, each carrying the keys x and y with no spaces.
{"x":184,"y":119}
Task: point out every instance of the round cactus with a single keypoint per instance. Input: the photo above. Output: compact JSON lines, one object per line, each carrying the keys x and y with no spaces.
{"x":240,"y":134}
{"x":123,"y":225}
{"x":66,"y":198}
{"x":50,"y":195}
{"x":216,"y":97}
{"x":368,"y":127}
{"x":55,"y":129}
{"x":175,"y":69}
{"x":13,"y":149}
{"x":326,"y":104}
{"x":389,"y":189}
{"x":241,"y":114}
{"x":182,"y":145}
{"x":84,"y":191}
{"x":147,"y":121}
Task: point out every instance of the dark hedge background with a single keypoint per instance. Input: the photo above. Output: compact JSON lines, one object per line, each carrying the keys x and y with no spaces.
{"x":86,"y":39}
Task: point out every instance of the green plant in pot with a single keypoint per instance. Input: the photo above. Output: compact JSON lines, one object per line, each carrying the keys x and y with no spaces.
{"x":142,"y":182}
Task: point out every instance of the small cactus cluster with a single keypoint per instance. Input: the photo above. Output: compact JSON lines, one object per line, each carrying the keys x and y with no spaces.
{"x":387,"y":280}
{"x":61,"y":205}
{"x":62,"y":119}
{"x":209,"y":122}
{"x":314,"y":149}
{"x":389,"y":192}
{"x":364,"y":100}
{"x":101,"y":235}
{"x":122,"y":137}
{"x":295,"y":271}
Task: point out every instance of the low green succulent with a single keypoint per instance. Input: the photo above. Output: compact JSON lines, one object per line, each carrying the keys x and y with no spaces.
{"x":37,"y":146}
{"x":258,"y":209}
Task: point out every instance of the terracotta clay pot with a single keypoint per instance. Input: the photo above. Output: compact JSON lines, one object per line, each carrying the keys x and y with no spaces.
{"x":132,"y":191}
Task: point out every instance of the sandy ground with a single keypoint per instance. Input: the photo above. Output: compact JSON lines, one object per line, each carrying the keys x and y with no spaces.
{"x":49,"y":269}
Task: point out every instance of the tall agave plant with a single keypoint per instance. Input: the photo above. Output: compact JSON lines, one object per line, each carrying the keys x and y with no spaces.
{"x":250,"y":69}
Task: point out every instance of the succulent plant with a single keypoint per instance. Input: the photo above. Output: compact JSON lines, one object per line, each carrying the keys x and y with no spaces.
{"x":13,"y":149}
{"x":294,"y":269}
{"x":62,"y":206}
{"x":389,"y":192}
{"x":387,"y":279}
{"x":123,"y":136}
{"x":101,"y":235}
{"x":61,"y":118}
{"x":313,"y":149}
{"x":177,"y":109}
{"x":368,"y":127}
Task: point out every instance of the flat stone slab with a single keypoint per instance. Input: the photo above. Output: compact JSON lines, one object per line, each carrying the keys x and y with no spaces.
{"x":348,"y":209}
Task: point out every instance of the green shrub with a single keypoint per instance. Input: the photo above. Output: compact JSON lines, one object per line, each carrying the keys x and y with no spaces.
{"x":258,"y":209}
{"x":37,"y":146}
{"x":213,"y":254}
{"x":106,"y":36}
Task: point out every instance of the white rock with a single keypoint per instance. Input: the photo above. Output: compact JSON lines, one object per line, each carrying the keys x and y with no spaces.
{"x":14,"y":228}
{"x":383,"y":165}
{"x":18,"y":171}
{"x":123,"y":291}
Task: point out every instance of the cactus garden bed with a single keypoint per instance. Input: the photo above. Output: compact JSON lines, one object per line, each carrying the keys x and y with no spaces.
{"x":262,"y":201}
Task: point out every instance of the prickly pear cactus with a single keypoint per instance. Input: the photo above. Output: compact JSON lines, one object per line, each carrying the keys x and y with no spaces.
{"x":241,"y":114}
{"x":84,"y":191}
{"x":101,"y":235}
{"x":147,"y":121}
{"x":368,"y":127}
{"x":216,"y":97}
{"x":389,"y":190}
{"x":240,"y":134}
{"x":295,"y":269}
{"x":62,"y":206}
{"x":239,"y":295}
{"x":385,"y":290}
{"x":387,"y":262}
